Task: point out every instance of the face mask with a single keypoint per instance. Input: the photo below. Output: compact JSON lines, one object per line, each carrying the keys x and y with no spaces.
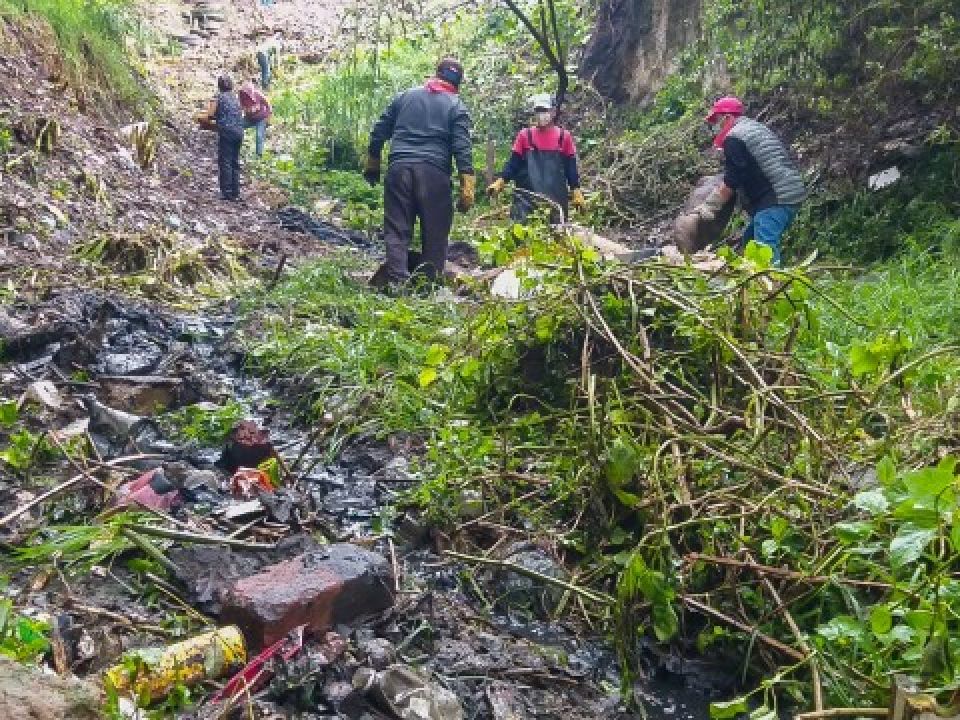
{"x":716,"y":128}
{"x":544,"y":117}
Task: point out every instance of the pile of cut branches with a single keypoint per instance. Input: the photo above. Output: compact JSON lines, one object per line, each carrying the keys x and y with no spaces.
{"x":693,"y":442}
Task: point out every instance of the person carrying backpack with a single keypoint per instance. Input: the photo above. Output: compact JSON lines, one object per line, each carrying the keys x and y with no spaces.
{"x":256,"y":112}
{"x":543,"y":162}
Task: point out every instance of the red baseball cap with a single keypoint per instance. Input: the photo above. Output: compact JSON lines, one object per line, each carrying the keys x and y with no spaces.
{"x":725,"y":105}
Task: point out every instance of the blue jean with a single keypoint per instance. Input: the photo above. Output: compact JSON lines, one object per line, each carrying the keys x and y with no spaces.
{"x":261,"y":126}
{"x":768,"y":226}
{"x":264,"y":62}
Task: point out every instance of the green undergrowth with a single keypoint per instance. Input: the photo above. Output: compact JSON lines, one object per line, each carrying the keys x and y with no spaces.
{"x":918,"y":214}
{"x":93,"y":38}
{"x":204,"y":423}
{"x":644,"y":421}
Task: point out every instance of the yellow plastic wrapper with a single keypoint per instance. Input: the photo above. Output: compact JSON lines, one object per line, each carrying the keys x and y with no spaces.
{"x":154,"y":672}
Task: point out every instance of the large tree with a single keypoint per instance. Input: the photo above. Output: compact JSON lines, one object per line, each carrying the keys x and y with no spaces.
{"x":634,"y":43}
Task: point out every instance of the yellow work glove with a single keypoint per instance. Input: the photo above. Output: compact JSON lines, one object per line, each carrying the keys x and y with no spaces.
{"x":577,"y":199}
{"x":371,"y":170}
{"x":468,"y":192}
{"x":496,"y":187}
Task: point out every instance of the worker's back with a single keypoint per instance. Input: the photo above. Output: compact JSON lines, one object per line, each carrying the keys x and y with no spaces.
{"x":429,"y":126}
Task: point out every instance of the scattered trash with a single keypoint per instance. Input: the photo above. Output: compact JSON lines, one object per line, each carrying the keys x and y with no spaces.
{"x":151,"y":490}
{"x":504,"y":704}
{"x":247,"y":483}
{"x":291,"y":218}
{"x":154,"y":672}
{"x":74,"y":429}
{"x":256,"y":674}
{"x":244,"y":510}
{"x":141,"y":394}
{"x":247,"y":446}
{"x":44,"y":393}
{"x":406,"y":695}
{"x":379,"y":652}
{"x":884,"y":178}
{"x":119,"y":424}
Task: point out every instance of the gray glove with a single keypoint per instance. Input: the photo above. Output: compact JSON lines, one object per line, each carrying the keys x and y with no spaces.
{"x":710,"y":207}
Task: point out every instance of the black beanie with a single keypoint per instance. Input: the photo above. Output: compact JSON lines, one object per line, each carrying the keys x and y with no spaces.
{"x":450,"y":70}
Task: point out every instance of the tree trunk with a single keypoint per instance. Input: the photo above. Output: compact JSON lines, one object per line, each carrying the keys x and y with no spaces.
{"x":635,"y":43}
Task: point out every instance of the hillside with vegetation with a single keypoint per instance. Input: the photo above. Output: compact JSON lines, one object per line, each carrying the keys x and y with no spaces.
{"x":731,"y":487}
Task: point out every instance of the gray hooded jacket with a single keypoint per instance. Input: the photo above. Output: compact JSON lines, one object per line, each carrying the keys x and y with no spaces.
{"x":425,"y":125}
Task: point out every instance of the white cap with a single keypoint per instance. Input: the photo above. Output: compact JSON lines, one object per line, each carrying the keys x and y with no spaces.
{"x":542,"y":101}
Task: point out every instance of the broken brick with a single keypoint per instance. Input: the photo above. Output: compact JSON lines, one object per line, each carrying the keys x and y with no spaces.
{"x":334,"y":585}
{"x":248,"y":445}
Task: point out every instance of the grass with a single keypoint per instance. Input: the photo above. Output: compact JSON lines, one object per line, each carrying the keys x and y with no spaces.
{"x":92,"y":37}
{"x":368,"y":349}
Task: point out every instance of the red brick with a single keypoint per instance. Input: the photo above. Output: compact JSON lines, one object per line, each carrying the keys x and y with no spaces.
{"x":337,"y":584}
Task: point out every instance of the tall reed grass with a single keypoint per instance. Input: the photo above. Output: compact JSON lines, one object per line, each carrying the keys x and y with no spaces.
{"x":92,"y":37}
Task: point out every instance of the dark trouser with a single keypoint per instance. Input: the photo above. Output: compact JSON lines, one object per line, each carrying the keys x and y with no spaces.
{"x":411,"y":191}
{"x":228,"y":162}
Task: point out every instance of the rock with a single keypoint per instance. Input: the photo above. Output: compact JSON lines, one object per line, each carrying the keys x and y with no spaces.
{"x":140,"y":394}
{"x":334,"y":585}
{"x":379,"y":653}
{"x":189,"y":478}
{"x":523,"y":592}
{"x":248,"y":445}
{"x":26,"y":694}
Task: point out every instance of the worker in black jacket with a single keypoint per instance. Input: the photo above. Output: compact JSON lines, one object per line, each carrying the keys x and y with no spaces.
{"x":427,"y":128}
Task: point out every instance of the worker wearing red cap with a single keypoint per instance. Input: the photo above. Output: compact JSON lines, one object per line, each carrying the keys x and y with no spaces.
{"x":428,"y":127}
{"x":757,"y":167}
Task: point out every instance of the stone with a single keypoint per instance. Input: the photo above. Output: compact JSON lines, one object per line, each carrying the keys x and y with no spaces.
{"x":379,"y":652}
{"x":140,"y":394}
{"x":27,"y":694}
{"x":334,"y":585}
{"x":522,"y":592}
{"x":248,"y":445}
